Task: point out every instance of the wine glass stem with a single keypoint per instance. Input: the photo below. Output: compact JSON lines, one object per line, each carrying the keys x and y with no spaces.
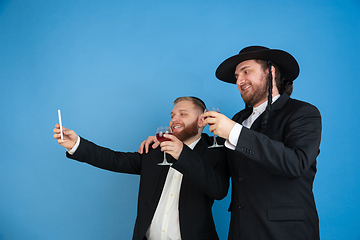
{"x":165,"y":160}
{"x":215,"y":143}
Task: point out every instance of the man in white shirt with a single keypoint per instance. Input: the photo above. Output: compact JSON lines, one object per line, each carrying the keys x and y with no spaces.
{"x":272,"y":147}
{"x":174,"y":202}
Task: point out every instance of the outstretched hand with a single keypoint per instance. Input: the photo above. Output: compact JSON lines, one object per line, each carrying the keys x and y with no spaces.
{"x":70,"y":137}
{"x":219,"y":123}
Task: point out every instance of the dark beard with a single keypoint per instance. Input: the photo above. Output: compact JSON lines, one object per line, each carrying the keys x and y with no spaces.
{"x":258,"y":95}
{"x":188,"y":131}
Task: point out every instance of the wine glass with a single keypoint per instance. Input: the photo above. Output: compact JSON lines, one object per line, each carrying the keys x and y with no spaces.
{"x":215,"y":144}
{"x":160,"y":137}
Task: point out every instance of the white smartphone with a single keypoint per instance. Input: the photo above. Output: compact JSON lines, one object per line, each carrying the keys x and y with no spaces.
{"x":61,"y":131}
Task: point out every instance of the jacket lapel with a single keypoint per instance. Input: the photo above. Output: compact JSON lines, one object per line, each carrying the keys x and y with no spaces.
{"x":242,"y":115}
{"x":278,"y":104}
{"x":201,"y":146}
{"x":159,"y":174}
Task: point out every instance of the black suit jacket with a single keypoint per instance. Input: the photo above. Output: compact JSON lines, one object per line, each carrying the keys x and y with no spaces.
{"x":272,"y":173}
{"x":205,"y":178}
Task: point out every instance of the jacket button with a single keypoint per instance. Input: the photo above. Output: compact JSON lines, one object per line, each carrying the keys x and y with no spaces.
{"x":241,"y":206}
{"x":241,"y":179}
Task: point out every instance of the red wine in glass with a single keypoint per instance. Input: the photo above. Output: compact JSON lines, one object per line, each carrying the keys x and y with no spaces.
{"x":160,"y":137}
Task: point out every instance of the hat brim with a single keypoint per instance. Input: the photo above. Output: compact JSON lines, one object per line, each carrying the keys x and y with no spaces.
{"x":287,"y":64}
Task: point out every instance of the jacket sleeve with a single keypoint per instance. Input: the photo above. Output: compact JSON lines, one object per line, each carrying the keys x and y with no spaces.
{"x":297,"y":150}
{"x":209,"y":171}
{"x":107,"y":159}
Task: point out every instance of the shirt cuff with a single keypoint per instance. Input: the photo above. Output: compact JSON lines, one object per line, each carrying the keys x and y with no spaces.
{"x":75,"y":147}
{"x":233,"y":136}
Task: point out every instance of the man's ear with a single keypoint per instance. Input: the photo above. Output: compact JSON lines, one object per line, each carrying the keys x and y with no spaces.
{"x":200,"y":121}
{"x":273,"y":72}
{"x":275,"y":87}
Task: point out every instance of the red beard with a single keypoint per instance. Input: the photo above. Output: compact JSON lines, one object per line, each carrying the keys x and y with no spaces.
{"x":187,"y":132}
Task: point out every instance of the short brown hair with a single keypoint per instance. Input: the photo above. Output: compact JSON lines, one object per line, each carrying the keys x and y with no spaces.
{"x":197,"y":102}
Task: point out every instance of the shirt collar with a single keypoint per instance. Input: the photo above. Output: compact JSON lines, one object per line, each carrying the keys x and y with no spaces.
{"x":261,"y":108}
{"x":193,"y":144}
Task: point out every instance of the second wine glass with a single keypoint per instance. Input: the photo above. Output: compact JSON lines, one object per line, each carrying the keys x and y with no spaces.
{"x":160,"y":137}
{"x":215,"y":144}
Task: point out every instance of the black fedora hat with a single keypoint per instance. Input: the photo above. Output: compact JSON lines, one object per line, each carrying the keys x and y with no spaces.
{"x":287,"y":64}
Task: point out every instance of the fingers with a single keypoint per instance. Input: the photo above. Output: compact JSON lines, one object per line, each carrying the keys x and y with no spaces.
{"x":210,"y":114}
{"x":62,"y":141}
{"x":148,"y":142}
{"x":68,"y":132}
{"x":210,"y":121}
{"x":145,"y":144}
{"x":212,"y":128}
{"x":57,"y":136}
{"x":69,"y":137}
{"x":210,"y":118}
{"x":171,"y":137}
{"x":151,"y":139}
{"x":56,"y":130}
{"x":166,"y":147}
{"x":156,"y":144}
{"x":174,"y":148}
{"x":141,"y":148}
{"x":174,"y":142}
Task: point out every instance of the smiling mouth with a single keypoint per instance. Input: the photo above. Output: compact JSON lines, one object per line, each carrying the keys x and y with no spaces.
{"x":174,"y":128}
{"x":246,"y":87}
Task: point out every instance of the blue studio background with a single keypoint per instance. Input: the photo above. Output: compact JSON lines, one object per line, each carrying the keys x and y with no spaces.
{"x":114,"y":69}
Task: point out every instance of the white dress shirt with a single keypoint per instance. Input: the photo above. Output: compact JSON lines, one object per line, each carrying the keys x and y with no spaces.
{"x":236,"y":130}
{"x":165,"y":223}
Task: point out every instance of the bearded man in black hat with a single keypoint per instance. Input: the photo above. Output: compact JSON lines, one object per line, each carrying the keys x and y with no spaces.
{"x":272,"y":148}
